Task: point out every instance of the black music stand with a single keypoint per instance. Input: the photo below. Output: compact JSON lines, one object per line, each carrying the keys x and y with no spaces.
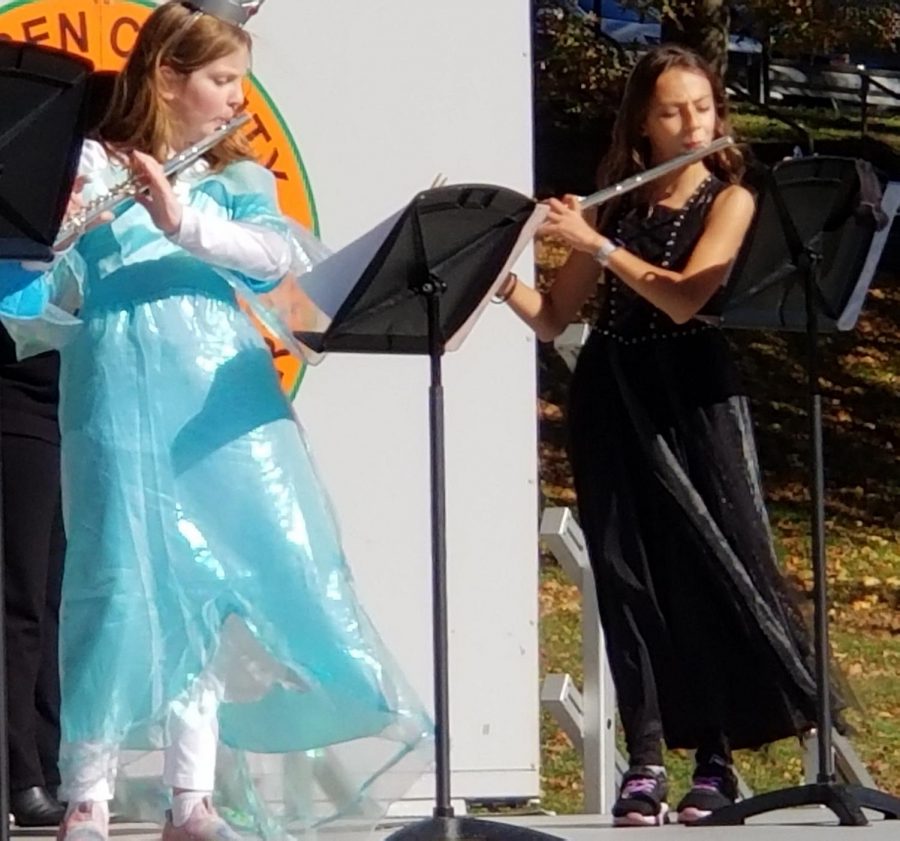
{"x":424,"y":283}
{"x":44,"y":96}
{"x":806,"y":266}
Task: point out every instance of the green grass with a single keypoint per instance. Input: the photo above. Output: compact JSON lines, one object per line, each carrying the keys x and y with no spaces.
{"x":823,"y":124}
{"x":870,"y":661}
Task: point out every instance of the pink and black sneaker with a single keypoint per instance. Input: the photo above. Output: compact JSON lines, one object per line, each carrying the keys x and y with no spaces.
{"x":642,"y":799}
{"x":713,"y":786}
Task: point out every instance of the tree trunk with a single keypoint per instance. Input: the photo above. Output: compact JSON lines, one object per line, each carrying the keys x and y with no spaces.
{"x":701,"y":25}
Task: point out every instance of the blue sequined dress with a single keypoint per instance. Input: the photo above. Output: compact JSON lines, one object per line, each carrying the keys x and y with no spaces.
{"x":199,"y":537}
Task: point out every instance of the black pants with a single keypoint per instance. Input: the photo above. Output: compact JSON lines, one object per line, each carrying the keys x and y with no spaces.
{"x":34,"y":545}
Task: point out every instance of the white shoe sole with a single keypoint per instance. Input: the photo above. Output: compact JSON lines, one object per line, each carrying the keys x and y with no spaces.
{"x":692,"y":814}
{"x":637,"y":819}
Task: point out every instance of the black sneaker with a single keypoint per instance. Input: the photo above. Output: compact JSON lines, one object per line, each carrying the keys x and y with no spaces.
{"x":712,"y":787}
{"x":642,"y":799}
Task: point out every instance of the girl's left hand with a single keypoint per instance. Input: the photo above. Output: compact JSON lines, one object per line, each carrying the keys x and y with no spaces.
{"x":75,"y":208}
{"x":160,"y":200}
{"x":566,"y":222}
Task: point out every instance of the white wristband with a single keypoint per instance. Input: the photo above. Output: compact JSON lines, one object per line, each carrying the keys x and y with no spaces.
{"x":605,"y":251}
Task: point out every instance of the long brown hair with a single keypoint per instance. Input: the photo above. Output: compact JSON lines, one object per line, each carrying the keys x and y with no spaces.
{"x":175,"y":36}
{"x":629,"y":152}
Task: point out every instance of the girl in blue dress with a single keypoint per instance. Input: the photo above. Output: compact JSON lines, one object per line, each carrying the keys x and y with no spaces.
{"x":211,"y":640}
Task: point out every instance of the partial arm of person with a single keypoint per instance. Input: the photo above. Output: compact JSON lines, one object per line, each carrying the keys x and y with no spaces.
{"x":549,"y":313}
{"x":256,"y":252}
{"x":255,"y":241}
{"x":679,"y":294}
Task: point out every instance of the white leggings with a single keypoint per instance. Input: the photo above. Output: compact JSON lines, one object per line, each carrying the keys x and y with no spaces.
{"x":192,"y":732}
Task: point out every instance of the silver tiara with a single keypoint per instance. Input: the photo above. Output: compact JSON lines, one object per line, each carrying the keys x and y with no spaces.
{"x":237,"y":12}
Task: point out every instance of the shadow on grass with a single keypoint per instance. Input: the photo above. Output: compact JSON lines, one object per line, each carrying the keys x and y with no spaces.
{"x":860,"y":397}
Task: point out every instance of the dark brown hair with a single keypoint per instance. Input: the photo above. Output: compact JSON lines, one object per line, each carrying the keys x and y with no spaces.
{"x":629,"y":151}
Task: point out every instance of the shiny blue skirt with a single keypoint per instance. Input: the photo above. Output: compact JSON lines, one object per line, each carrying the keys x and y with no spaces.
{"x":200,"y":540}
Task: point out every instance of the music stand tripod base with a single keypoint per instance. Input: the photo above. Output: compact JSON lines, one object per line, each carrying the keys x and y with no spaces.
{"x":467,"y":829}
{"x":845,"y":801}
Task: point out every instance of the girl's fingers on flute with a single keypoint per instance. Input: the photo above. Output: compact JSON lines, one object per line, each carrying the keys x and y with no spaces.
{"x":557,"y":214}
{"x":555,"y":205}
{"x":547,"y":230}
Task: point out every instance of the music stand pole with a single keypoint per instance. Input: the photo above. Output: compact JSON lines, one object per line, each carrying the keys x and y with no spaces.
{"x":845,"y":801}
{"x":443,"y":808}
{"x":445,"y":825}
{"x":4,"y":734}
{"x":819,"y":562}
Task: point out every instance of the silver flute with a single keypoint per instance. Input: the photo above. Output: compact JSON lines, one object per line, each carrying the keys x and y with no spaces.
{"x":127,"y":189}
{"x":646,"y":177}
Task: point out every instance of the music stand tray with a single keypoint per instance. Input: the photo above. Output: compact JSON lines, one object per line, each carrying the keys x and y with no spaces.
{"x":463,"y":238}
{"x":808,"y":206}
{"x":44,"y":94}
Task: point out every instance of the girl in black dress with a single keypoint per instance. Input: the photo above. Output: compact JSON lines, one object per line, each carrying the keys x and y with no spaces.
{"x":706,"y":650}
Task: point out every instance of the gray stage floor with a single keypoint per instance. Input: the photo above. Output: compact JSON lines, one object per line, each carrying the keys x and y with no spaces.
{"x":793,"y":825}
{"x":800,"y":824}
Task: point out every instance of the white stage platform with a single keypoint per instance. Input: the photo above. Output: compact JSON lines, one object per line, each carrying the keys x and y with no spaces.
{"x":790,"y":825}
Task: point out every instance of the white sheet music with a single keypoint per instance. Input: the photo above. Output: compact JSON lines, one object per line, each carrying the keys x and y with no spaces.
{"x":328,"y":284}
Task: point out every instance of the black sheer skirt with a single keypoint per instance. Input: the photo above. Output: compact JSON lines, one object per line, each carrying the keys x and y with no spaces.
{"x":704,"y":639}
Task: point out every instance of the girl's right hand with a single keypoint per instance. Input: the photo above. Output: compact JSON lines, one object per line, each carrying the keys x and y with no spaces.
{"x":567,"y":223}
{"x":160,"y":200}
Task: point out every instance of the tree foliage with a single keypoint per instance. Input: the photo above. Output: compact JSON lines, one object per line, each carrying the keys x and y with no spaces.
{"x":811,"y":27}
{"x":579,"y":76}
{"x":791,"y":27}
{"x":702,"y":25}
{"x":579,"y":73}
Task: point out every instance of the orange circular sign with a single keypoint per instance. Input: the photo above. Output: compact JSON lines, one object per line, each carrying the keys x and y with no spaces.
{"x":104,"y":31}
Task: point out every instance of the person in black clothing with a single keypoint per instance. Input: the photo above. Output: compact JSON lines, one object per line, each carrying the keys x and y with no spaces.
{"x":33,"y":549}
{"x":705,"y":644}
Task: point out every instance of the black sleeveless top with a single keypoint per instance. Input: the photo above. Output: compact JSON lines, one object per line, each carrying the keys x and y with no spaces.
{"x":664,"y":237}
